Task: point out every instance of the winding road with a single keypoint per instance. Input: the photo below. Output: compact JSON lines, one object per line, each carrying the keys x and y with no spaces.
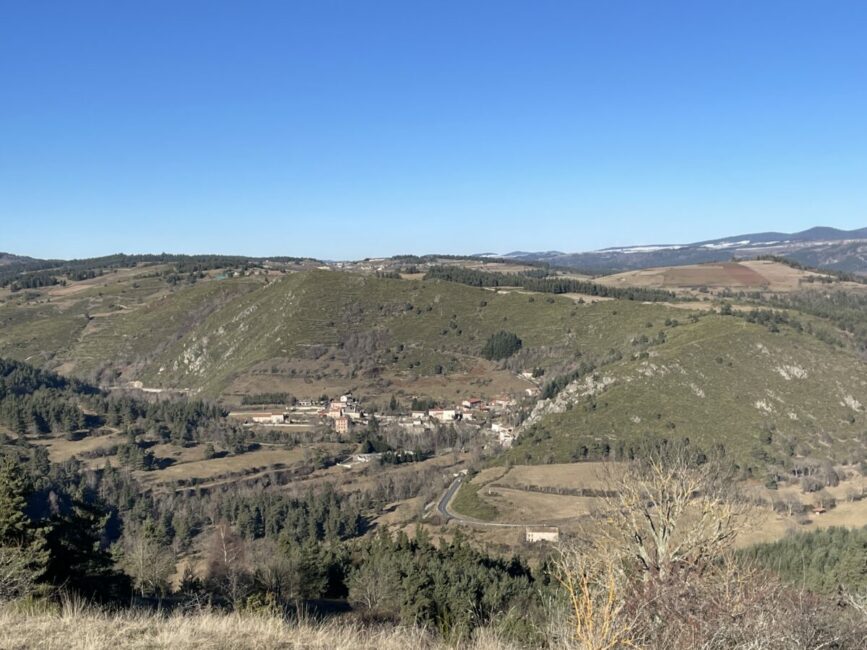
{"x":446,"y":499}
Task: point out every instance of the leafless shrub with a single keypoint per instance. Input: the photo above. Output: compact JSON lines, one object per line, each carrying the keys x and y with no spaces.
{"x":738,"y":606}
{"x":656,"y":570}
{"x":594,"y":616}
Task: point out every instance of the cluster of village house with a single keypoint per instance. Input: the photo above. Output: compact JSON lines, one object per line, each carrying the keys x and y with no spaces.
{"x":346,"y":413}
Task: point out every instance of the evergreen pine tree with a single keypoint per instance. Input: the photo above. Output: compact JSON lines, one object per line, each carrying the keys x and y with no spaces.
{"x":23,"y":555}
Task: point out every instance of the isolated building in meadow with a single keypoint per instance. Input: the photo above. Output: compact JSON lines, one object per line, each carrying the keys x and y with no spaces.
{"x":542,"y":534}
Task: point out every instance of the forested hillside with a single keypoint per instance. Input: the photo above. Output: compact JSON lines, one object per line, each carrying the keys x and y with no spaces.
{"x":70,"y":533}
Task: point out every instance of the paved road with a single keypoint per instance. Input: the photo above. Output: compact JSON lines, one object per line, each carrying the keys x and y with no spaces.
{"x":443,"y":504}
{"x":446,"y":499}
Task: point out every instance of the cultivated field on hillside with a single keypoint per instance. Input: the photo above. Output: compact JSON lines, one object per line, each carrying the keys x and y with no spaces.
{"x":748,"y":275}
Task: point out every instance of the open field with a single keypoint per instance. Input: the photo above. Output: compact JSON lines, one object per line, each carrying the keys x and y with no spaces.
{"x":258,"y":459}
{"x":526,"y":494}
{"x":771,"y":526}
{"x":187,"y":463}
{"x":536,"y":508}
{"x":60,"y":449}
{"x":112,"y":282}
{"x":849,"y":512}
{"x":589,"y":475}
{"x":752,"y":275}
{"x":501,"y":495}
{"x":493,"y":266}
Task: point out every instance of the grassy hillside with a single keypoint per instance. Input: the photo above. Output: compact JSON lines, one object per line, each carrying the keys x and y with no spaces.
{"x":770,"y":393}
{"x":769,"y":396}
{"x":205,"y":335}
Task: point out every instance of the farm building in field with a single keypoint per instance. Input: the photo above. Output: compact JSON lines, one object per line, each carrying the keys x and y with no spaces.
{"x":269,"y":418}
{"x":259,"y":417}
{"x":542,"y":534}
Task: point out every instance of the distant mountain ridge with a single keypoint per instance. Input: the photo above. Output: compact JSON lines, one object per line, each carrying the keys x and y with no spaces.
{"x":821,"y":246}
{"x":9,"y":258}
{"x":817,"y":233}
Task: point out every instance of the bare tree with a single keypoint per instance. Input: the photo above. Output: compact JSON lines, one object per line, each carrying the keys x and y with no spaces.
{"x":792,"y":504}
{"x":149,"y":563}
{"x":375,"y":587}
{"x":227,"y":566}
{"x":671,"y":510}
{"x":656,"y":569}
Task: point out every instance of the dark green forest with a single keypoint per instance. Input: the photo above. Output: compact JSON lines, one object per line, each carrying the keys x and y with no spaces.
{"x":531,"y":281}
{"x":96,"y":531}
{"x":34,"y":274}
{"x":821,"y":560}
{"x":80,"y":529}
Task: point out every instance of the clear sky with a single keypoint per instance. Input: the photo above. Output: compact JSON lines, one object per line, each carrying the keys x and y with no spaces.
{"x":363,"y":128}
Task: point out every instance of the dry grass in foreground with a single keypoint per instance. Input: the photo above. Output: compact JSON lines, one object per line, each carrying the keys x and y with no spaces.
{"x":74,"y":628}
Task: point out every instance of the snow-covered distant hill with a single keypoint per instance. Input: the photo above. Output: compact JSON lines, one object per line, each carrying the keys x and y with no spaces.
{"x":842,"y":250}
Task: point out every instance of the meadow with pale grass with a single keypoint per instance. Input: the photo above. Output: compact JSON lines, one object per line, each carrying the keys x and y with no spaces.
{"x":76,"y":627}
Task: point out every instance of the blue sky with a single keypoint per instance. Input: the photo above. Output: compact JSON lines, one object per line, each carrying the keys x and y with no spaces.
{"x":352,"y":129}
